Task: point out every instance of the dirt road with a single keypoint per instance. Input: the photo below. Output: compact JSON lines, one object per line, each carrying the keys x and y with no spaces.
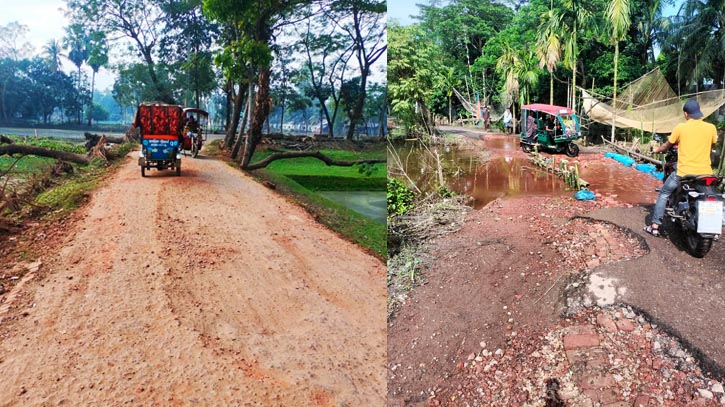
{"x":206,"y":289}
{"x":487,"y":326}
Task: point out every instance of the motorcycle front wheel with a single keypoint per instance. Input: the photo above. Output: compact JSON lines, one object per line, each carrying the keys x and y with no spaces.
{"x":697,"y":245}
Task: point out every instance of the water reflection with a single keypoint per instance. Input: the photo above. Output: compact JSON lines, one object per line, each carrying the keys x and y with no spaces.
{"x":465,"y":174}
{"x":627,"y":184}
{"x":507,"y":176}
{"x":371,"y":204}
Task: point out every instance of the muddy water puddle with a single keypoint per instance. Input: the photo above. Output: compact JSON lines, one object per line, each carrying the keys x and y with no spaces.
{"x":508,"y":173}
{"x":503,"y":175}
{"x":608,"y":177}
{"x":507,"y":177}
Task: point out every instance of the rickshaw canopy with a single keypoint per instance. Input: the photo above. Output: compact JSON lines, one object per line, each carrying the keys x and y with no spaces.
{"x":550,"y":109}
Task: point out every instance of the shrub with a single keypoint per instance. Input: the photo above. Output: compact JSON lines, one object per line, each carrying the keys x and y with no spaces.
{"x":399,"y":197}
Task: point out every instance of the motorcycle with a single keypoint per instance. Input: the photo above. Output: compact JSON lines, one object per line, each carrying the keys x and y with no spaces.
{"x":696,"y":206}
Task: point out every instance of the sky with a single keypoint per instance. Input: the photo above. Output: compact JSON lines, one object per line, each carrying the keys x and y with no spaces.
{"x":401,"y":10}
{"x":46,"y":20}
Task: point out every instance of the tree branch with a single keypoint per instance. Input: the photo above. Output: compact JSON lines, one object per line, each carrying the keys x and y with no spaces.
{"x":43,"y":152}
{"x":315,"y":154}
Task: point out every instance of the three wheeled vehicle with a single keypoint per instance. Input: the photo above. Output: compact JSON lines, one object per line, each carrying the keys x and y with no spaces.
{"x":549,"y":127}
{"x":160,"y":127}
{"x":194,"y":133}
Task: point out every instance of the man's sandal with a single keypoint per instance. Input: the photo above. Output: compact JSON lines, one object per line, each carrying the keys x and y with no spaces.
{"x":652,"y":231}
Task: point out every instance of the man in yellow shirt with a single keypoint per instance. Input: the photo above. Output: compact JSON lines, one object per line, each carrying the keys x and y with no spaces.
{"x":695,"y":139}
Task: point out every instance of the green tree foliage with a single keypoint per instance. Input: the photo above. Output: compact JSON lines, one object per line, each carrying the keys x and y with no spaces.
{"x":696,"y":47}
{"x":399,"y":197}
{"x":258,"y":21}
{"x":364,"y":24}
{"x":143,"y":22}
{"x":412,"y":76}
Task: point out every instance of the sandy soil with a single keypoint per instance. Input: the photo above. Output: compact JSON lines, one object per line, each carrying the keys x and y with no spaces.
{"x":205,"y":289}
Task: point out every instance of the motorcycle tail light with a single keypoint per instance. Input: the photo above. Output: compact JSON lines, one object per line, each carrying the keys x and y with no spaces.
{"x":711,"y":199}
{"x":709,"y":180}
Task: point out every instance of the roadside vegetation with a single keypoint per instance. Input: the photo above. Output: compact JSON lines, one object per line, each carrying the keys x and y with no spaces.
{"x":511,"y":53}
{"x":40,"y":188}
{"x":419,"y":209}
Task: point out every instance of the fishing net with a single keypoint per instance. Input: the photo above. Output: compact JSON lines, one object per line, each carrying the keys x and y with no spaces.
{"x":473,"y":107}
{"x":649,"y":104}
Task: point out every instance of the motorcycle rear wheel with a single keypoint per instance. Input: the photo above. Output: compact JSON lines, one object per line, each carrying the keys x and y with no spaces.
{"x":697,"y":245}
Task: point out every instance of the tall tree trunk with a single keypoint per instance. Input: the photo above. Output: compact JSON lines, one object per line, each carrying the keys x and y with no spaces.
{"x":614,"y":100}
{"x":90,"y":103}
{"x":281,"y":120}
{"x":450,"y":113}
{"x":162,"y":91}
{"x":261,"y":111}
{"x":247,"y":114}
{"x":573,"y":74}
{"x":80,"y":109}
{"x":229,"y":103}
{"x":235,"y":115}
{"x":240,"y":137}
{"x":357,"y":111}
{"x":551,"y":87}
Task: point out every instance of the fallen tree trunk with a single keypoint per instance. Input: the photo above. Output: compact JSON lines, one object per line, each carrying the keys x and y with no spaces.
{"x":315,"y":154}
{"x":93,"y":140}
{"x":43,"y":152}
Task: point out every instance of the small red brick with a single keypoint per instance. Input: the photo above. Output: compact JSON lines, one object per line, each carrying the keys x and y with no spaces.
{"x":641,"y":401}
{"x":576,"y":341}
{"x":607,"y":323}
{"x":625,"y":325}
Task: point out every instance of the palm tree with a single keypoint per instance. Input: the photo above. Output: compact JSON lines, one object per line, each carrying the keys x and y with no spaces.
{"x":548,"y":47}
{"x":53,"y":51}
{"x":703,"y":32}
{"x":571,"y":19}
{"x":618,"y":18}
{"x":76,"y":40}
{"x":97,"y":57}
{"x":527,"y":73}
{"x":448,"y":81}
{"x":506,"y":66}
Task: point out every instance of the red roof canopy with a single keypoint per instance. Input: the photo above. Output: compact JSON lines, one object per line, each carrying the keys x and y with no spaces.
{"x":551,"y":109}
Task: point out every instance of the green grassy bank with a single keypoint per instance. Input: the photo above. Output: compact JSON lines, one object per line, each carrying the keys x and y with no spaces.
{"x":301,"y":178}
{"x":34,"y":186}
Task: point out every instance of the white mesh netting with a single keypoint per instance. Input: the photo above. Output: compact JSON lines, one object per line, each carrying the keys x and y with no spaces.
{"x":649,"y":104}
{"x":473,"y":107}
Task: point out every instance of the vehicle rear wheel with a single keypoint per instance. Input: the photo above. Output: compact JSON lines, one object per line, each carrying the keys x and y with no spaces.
{"x":178,"y":168}
{"x":527,"y":147}
{"x":572,"y":150}
{"x":143,"y":171}
{"x":697,"y":245}
{"x":194,"y":149}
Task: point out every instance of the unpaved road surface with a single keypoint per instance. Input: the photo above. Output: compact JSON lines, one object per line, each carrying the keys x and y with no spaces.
{"x":502,"y":293}
{"x":206,"y":289}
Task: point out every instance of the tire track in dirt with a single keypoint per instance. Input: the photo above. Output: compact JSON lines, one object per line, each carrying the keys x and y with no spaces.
{"x":173,"y":291}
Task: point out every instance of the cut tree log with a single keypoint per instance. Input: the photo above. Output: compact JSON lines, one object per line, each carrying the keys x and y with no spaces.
{"x":43,"y":152}
{"x":93,"y":140}
{"x":5,"y":139}
{"x":99,"y":150}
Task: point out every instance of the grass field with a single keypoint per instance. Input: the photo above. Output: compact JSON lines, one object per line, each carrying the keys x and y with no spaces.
{"x":300,"y":178}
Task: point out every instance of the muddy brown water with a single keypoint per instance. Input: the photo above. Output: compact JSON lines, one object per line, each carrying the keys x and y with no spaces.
{"x":508,"y":173}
